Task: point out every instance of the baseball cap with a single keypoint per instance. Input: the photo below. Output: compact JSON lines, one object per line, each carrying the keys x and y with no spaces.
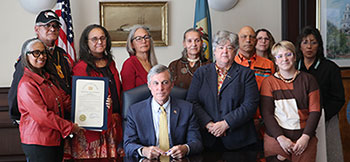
{"x":46,"y":17}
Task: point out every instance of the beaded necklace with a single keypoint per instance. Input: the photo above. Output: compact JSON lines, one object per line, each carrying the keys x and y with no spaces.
{"x":288,"y":80}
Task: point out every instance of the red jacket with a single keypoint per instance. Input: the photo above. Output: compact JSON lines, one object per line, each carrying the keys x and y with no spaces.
{"x":42,"y":106}
{"x":133,"y":74}
{"x":79,"y":69}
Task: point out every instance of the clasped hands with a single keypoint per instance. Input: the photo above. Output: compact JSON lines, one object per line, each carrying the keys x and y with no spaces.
{"x":290,"y":147}
{"x":154,"y":152}
{"x":217,"y":129}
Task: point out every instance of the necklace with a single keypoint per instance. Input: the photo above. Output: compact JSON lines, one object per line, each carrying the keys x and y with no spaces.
{"x":287,"y":80}
{"x":193,"y":60}
{"x":187,"y":70}
{"x":58,"y":66}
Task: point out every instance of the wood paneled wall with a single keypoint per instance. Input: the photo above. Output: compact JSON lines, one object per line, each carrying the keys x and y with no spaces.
{"x":343,"y":123}
{"x":10,"y":147}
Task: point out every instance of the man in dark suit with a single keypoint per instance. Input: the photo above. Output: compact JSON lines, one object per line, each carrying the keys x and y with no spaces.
{"x":143,"y":135}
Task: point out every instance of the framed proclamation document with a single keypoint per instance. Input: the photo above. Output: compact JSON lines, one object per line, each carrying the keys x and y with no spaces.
{"x":89,"y":95}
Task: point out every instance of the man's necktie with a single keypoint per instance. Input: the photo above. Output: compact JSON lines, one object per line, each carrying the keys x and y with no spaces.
{"x":163,"y":131}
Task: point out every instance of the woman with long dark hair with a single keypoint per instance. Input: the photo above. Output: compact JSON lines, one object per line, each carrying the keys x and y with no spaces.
{"x":311,"y":60}
{"x":96,"y":60}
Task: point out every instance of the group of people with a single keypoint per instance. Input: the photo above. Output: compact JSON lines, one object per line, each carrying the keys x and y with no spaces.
{"x":257,"y":95}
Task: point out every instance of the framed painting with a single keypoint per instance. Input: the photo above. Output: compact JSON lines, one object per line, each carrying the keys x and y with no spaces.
{"x":119,"y":17}
{"x":333,"y":20}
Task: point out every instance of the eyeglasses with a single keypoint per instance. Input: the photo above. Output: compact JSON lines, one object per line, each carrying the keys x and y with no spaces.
{"x":139,"y":38}
{"x":48,"y":26}
{"x":95,"y":39}
{"x":37,"y":53}
{"x":279,"y":56}
{"x":262,"y":38}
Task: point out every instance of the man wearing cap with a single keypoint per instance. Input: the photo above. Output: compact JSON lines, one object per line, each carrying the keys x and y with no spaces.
{"x":58,"y":64}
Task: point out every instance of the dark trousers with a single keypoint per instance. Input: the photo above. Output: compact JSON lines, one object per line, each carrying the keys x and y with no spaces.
{"x":246,"y":154}
{"x":38,"y":153}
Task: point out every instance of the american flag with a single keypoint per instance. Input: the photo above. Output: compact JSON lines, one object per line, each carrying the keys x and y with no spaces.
{"x":66,"y":36}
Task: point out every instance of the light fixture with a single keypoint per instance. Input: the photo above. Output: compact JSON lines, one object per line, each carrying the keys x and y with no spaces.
{"x":222,"y":5}
{"x":35,"y":6}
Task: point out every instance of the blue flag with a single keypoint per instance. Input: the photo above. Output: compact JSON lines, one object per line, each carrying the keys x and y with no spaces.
{"x":202,"y":23}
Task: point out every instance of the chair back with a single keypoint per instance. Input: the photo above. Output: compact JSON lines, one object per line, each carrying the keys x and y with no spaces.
{"x":142,"y":92}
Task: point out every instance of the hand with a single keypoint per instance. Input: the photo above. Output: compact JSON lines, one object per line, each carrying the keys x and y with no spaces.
{"x":109,"y":101}
{"x":219,"y":128}
{"x":177,"y":152}
{"x":76,"y":129}
{"x":121,"y":152}
{"x":286,"y":144}
{"x":209,"y":125}
{"x":152,"y":152}
{"x":301,"y":144}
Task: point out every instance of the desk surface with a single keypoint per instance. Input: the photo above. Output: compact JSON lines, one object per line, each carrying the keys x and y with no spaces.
{"x":246,"y":156}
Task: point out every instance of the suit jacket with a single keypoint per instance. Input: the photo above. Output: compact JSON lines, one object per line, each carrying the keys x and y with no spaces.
{"x":139,"y":130}
{"x":236,"y":104}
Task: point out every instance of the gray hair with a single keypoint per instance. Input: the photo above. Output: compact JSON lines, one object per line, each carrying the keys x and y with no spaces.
{"x":201,"y":52}
{"x":151,"y":55}
{"x":26,"y":47}
{"x":157,"y":69}
{"x":222,"y":36}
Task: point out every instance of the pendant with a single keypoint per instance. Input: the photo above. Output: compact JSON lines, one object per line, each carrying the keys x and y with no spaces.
{"x":59,"y":71}
{"x":183,"y":70}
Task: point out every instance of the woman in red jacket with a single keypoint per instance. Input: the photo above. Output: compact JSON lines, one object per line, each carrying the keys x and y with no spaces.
{"x":96,"y":60}
{"x":142,"y":58}
{"x":42,"y":103}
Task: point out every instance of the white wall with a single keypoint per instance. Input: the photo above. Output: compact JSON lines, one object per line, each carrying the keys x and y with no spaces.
{"x":17,"y":26}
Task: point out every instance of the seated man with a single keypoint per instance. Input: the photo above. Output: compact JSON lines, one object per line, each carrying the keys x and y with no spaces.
{"x":160,"y":125}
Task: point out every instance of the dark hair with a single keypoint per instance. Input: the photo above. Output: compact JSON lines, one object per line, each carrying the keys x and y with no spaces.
{"x":201,"y":52}
{"x":84,"y":50}
{"x":272,"y":40}
{"x":307,"y":30}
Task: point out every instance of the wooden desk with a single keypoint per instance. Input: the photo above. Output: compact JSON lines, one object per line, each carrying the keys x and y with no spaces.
{"x":209,"y":157}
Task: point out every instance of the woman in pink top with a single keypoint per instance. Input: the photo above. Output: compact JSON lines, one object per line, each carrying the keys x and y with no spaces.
{"x":140,"y":48}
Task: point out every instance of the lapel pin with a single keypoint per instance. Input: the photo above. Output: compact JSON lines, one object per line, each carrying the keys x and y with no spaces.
{"x":175,"y":112}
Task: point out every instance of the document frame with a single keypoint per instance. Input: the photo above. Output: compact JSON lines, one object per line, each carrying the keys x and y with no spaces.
{"x":94,"y":88}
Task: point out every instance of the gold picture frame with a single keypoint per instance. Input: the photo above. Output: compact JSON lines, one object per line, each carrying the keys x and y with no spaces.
{"x":119,"y":17}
